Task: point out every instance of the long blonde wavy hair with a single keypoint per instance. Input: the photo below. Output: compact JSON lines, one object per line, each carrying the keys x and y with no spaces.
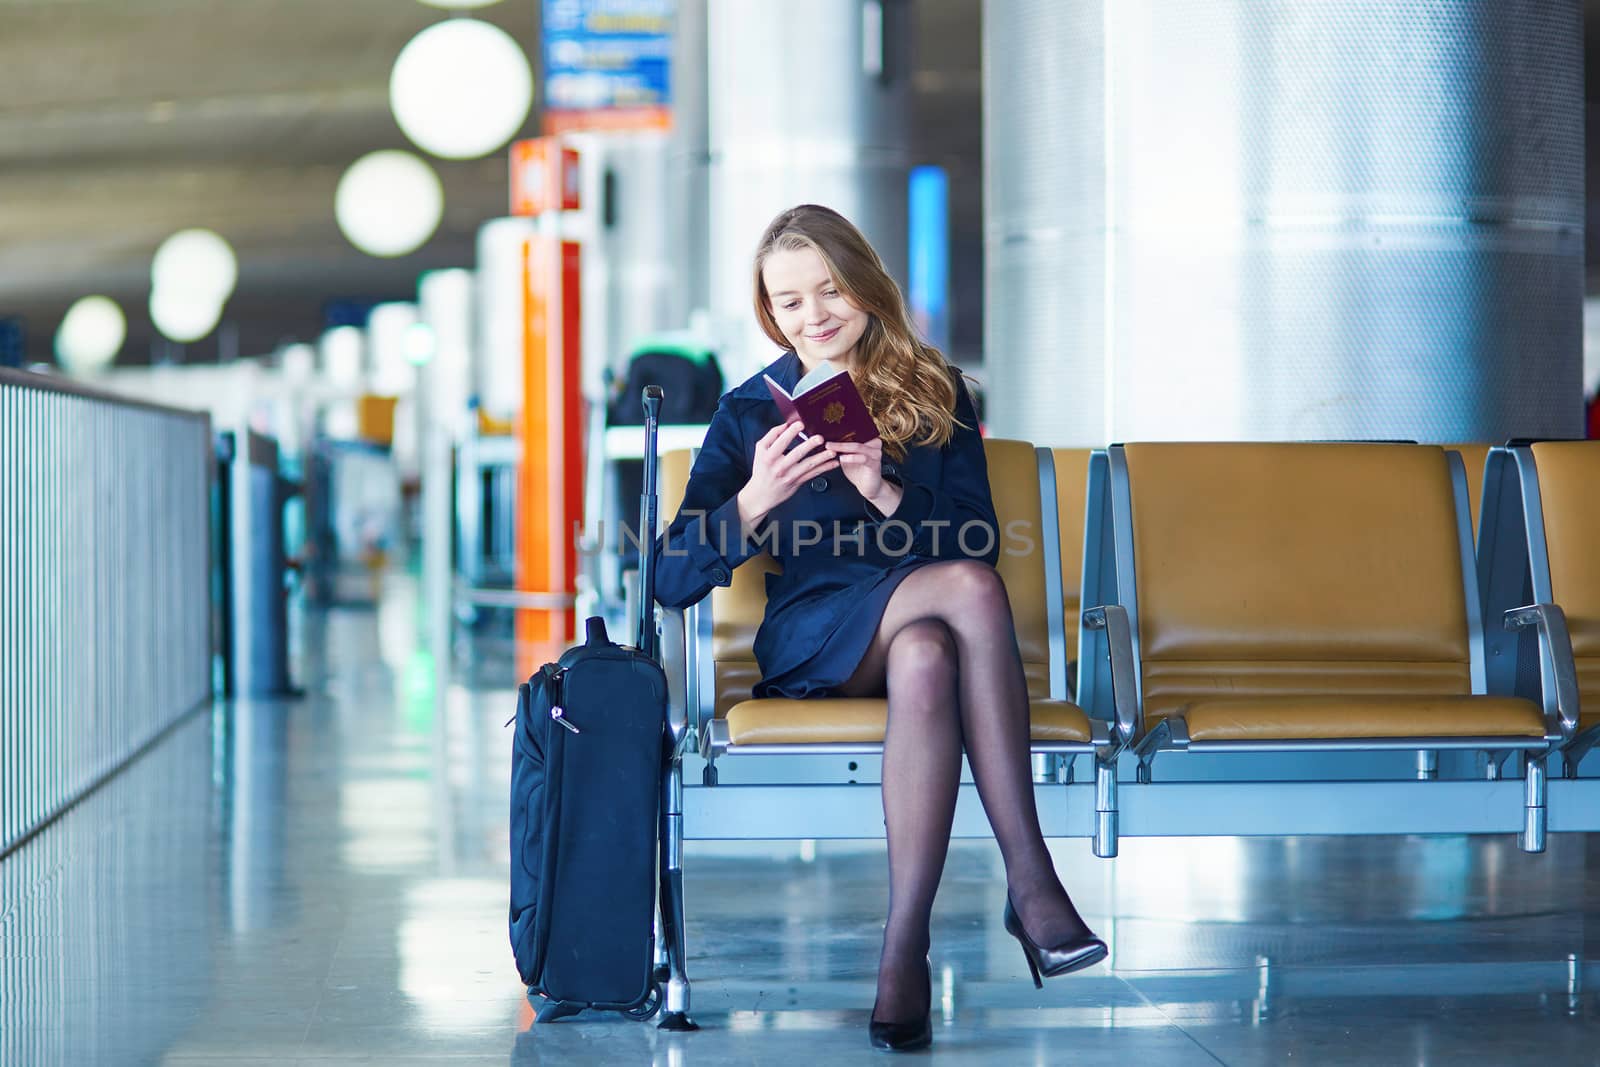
{"x":907,"y":384}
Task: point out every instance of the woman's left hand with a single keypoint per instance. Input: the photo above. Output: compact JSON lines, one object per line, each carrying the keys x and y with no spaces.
{"x":862,"y":463}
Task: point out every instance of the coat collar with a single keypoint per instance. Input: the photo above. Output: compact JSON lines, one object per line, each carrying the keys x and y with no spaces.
{"x":785,"y":370}
{"x":788,"y":369}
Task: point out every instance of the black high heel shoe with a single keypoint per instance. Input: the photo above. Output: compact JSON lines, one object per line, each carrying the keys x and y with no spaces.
{"x":1074,"y":954}
{"x":906,"y":1036}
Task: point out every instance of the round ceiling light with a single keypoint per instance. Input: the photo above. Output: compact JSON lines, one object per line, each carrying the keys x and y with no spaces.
{"x":183,"y":316}
{"x":461,"y":89}
{"x":90,"y":335}
{"x":389,"y":203}
{"x":198,"y":262}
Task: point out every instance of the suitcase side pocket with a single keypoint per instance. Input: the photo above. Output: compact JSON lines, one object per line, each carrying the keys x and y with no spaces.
{"x":535,"y":785}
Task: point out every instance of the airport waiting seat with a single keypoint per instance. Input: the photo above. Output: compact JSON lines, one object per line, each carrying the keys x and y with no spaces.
{"x":1071,"y":478}
{"x":1299,"y":597}
{"x":721,"y":667}
{"x":1540,"y":546}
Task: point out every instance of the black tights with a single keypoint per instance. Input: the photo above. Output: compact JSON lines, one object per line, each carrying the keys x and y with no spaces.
{"x":946,"y":653}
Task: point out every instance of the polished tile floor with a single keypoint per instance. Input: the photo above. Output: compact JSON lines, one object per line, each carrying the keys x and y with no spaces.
{"x":323,"y":882}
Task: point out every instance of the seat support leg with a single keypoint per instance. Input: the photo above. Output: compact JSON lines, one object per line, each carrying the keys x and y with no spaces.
{"x":1427,"y":764}
{"x":1535,"y":815}
{"x":1105,"y":808}
{"x":676,"y":1013}
{"x":1492,"y":765}
{"x":1044,"y":766}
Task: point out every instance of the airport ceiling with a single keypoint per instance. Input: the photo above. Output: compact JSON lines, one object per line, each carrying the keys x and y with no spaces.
{"x":123,"y":121}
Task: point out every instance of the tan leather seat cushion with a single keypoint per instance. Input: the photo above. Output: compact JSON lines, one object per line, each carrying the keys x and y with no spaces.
{"x":1169,"y":685}
{"x":737,"y":677}
{"x":1569,"y":487}
{"x":1307,"y":718}
{"x":815,"y":722}
{"x":1588,"y":691}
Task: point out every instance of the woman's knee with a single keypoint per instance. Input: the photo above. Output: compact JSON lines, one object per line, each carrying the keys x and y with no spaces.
{"x":925,"y":648}
{"x":973,"y":590}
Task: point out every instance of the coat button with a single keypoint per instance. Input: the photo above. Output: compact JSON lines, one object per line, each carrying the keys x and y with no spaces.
{"x":720,"y":576}
{"x":819,"y":485}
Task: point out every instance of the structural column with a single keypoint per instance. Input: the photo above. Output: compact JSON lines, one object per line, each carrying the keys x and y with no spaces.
{"x":1225,"y":219}
{"x":807,"y":103}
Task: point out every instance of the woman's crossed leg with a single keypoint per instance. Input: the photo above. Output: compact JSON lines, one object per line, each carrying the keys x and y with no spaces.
{"x":946,"y":655}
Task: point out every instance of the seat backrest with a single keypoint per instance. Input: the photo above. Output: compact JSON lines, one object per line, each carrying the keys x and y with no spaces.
{"x":1473,"y":457}
{"x":1569,"y":491}
{"x":1294,"y":570}
{"x":672,"y":480}
{"x":736,"y":613}
{"x":737,"y":609}
{"x":1072,"y":486}
{"x":1014,"y":486}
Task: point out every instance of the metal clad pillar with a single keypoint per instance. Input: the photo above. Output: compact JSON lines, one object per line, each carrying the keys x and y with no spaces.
{"x":688,"y":180}
{"x":807,"y":104}
{"x":1215,"y":220}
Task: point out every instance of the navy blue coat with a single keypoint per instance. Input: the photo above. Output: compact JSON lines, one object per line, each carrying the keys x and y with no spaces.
{"x":841,"y":559}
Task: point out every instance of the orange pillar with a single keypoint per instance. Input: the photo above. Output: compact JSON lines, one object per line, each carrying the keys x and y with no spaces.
{"x":550,"y":475}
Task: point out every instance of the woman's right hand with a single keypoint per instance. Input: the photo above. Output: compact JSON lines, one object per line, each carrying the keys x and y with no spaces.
{"x":778,"y":471}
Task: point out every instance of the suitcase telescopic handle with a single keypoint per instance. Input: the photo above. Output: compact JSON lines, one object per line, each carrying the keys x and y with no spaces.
{"x":647,"y":523}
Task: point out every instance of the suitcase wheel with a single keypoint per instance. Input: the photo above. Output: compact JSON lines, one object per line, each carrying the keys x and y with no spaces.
{"x":651,"y":1005}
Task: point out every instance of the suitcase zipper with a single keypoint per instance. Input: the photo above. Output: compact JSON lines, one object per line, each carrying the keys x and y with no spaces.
{"x":558,"y":699}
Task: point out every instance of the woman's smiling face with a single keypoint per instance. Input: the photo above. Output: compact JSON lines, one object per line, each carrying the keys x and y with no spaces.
{"x":809,"y":309}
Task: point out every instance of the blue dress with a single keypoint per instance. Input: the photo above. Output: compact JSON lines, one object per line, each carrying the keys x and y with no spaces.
{"x":841,"y":559}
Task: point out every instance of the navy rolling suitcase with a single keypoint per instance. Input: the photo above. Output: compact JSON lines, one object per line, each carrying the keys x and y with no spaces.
{"x":588,"y":765}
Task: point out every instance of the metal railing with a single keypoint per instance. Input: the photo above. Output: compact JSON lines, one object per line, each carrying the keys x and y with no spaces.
{"x":105,"y":601}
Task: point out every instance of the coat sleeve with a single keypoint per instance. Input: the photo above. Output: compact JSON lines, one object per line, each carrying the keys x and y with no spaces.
{"x":937,"y":513}
{"x":705,"y":542}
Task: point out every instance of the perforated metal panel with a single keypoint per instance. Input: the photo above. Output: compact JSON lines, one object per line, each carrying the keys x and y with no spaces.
{"x":1213,"y":220}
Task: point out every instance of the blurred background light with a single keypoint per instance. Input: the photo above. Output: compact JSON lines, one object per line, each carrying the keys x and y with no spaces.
{"x":90,"y":335}
{"x":419,"y":343}
{"x":461,"y":89}
{"x":198,"y":262}
{"x":343,"y":352}
{"x":459,"y":5}
{"x":184,"y":315}
{"x":299,"y":363}
{"x":393,"y":372}
{"x":389,"y":203}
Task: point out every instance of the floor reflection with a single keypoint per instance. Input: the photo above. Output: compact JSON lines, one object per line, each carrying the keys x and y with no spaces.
{"x":106,"y":916}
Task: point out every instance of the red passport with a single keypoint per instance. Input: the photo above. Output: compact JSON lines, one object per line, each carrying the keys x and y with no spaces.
{"x":827,"y":404}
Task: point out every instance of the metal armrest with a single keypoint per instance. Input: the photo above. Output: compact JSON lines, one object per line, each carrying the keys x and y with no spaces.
{"x":1113,"y":619}
{"x":671,"y":627}
{"x":1558,"y":673}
